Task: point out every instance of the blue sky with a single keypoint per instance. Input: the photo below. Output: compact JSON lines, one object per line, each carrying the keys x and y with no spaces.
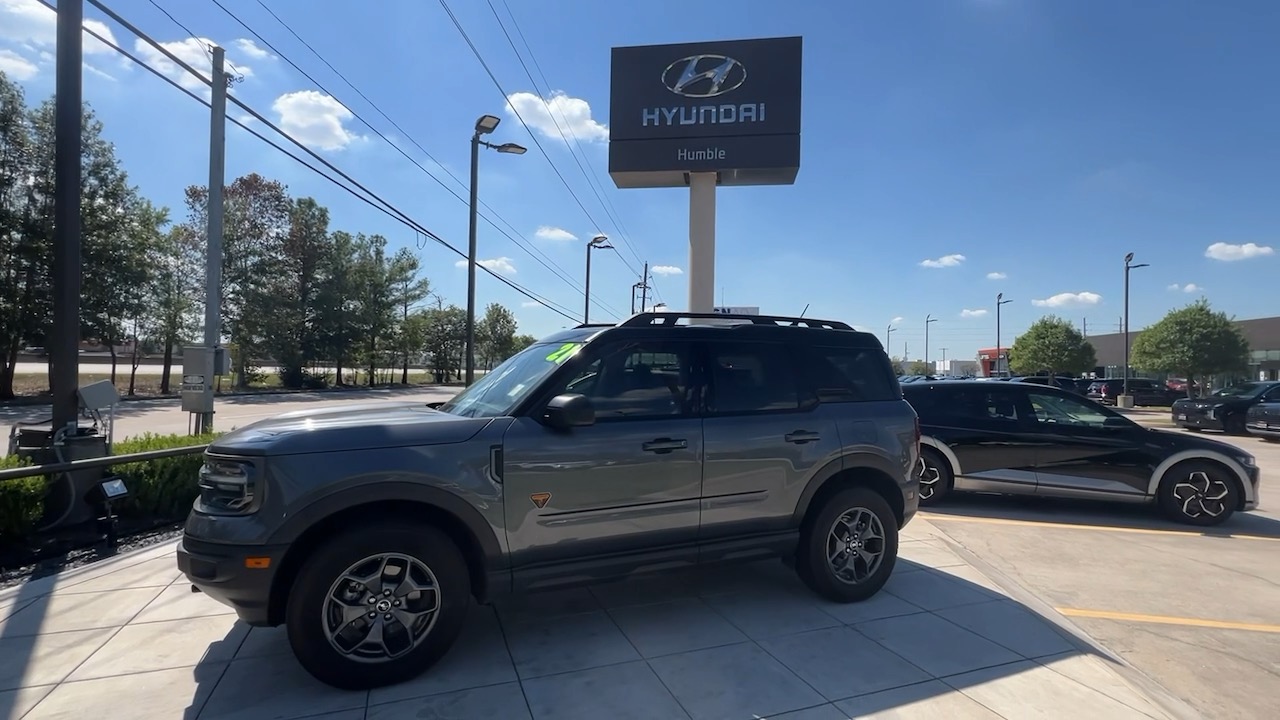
{"x":943,"y":142}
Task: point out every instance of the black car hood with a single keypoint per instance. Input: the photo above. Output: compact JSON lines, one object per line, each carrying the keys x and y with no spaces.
{"x":1178,"y":441}
{"x":351,"y":427}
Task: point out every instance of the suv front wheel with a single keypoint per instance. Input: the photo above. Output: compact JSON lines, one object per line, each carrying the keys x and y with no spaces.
{"x":848,"y":550}
{"x":377,"y":605}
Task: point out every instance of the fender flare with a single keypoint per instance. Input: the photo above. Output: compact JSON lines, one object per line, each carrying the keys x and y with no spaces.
{"x":398,"y":491}
{"x":944,"y":450}
{"x":852,"y":461}
{"x":1248,"y":495}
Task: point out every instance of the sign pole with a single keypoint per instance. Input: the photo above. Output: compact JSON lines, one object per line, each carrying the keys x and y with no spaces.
{"x":702,"y":242}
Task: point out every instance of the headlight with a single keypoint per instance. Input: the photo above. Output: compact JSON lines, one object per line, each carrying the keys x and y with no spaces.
{"x":227,"y":487}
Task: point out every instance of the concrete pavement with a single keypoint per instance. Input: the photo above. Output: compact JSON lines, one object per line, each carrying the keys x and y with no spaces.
{"x":127,"y":639}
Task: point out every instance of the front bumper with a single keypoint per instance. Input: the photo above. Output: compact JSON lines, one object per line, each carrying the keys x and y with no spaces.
{"x":239,"y":576}
{"x":1255,"y":479}
{"x":1192,"y":418}
{"x":1262,"y":429}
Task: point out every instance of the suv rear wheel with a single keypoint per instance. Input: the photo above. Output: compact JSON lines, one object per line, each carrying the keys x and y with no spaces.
{"x":849,"y":548}
{"x":377,"y":605}
{"x":935,"y":477}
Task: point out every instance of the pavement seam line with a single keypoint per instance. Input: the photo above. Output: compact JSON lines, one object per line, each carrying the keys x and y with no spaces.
{"x":1139,"y":682}
{"x":1167,"y":620}
{"x":947,"y":517}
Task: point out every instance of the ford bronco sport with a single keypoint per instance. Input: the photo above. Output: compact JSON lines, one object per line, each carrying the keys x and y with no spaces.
{"x":667,"y":440}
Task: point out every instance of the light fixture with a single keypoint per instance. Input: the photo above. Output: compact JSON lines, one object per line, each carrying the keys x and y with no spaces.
{"x":487,"y":124}
{"x":511,"y":148}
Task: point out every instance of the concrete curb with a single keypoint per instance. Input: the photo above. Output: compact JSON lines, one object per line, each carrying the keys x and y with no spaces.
{"x":1139,"y":682}
{"x":34,"y":589}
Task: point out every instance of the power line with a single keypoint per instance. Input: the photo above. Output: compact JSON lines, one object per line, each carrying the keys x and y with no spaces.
{"x":389,"y":210}
{"x":544,"y":92}
{"x":532,"y":135}
{"x":534,"y":253}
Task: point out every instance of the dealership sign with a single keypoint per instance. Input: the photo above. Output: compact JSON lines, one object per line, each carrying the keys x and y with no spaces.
{"x":730,"y":107}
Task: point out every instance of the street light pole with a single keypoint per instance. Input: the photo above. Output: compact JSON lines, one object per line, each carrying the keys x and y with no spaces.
{"x":928,"y":320}
{"x":999,"y":351}
{"x":1128,"y":266}
{"x":599,"y":242}
{"x":887,"y":332}
{"x":485,"y":125}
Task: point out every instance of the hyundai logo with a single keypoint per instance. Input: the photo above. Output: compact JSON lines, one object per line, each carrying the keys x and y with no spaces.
{"x":704,"y":76}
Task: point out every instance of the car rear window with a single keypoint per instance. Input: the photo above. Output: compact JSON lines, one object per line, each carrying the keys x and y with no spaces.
{"x":845,"y":374}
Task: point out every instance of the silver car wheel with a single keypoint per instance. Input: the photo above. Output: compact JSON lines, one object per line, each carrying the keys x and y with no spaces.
{"x":929,"y":479}
{"x":381,"y":608}
{"x":855,"y":545}
{"x":1201,"y":495}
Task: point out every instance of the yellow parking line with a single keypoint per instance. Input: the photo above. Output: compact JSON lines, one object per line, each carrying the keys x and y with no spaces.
{"x":1168,"y":620}
{"x":1085,"y":526}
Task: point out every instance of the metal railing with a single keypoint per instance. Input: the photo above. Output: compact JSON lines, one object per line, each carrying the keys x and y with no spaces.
{"x":102,"y":462}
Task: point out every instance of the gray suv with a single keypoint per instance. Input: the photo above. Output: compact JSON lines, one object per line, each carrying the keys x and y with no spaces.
{"x":668,"y":440}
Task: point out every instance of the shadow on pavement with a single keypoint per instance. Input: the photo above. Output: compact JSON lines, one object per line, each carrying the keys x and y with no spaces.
{"x":743,"y":641}
{"x":1096,"y":514}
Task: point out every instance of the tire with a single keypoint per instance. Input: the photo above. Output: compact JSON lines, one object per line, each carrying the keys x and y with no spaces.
{"x":313,"y":608}
{"x":935,"y":477}
{"x":812,"y":564}
{"x":1198,"y":493}
{"x":1234,"y":424}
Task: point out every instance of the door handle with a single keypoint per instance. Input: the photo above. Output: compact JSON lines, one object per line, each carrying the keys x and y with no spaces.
{"x":801,"y":437}
{"x":664,"y":445}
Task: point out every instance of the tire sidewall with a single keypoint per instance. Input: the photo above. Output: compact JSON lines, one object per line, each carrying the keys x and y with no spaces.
{"x":816,"y":571}
{"x":942,"y":488}
{"x":1170,"y":506}
{"x":306,"y":602}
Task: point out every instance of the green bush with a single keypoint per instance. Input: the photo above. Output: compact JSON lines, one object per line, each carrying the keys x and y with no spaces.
{"x":21,"y":500}
{"x":162,"y":489}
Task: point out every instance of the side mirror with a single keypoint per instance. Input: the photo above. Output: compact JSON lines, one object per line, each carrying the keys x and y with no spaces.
{"x":569,"y":411}
{"x":1116,"y":423}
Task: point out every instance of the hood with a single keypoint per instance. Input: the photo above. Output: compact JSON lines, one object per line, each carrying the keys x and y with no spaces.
{"x":1177,"y":441}
{"x":351,"y":427}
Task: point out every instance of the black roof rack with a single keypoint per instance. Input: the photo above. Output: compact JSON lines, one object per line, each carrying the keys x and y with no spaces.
{"x":579,"y":326}
{"x":671,"y":318}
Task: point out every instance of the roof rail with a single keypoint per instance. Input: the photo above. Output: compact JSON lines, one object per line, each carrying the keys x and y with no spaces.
{"x":580,"y":326}
{"x":671,"y":318}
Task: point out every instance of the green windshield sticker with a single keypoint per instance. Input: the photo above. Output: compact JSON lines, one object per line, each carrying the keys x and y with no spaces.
{"x":564,"y":352}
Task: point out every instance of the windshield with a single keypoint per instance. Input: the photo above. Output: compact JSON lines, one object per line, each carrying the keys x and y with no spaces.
{"x":498,"y":391}
{"x":1241,"y":390}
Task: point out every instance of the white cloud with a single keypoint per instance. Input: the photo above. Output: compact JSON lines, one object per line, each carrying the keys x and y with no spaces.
{"x":17,"y":67}
{"x":996,"y":276}
{"x":896,"y":320}
{"x":1188,"y":288}
{"x":944,"y":261}
{"x":548,"y":232}
{"x":666,"y":270}
{"x":250,"y":49}
{"x":967,"y":313}
{"x":100,"y":73}
{"x":532,"y":304}
{"x":35,"y":26}
{"x":192,"y":51}
{"x":315,"y":119}
{"x":502,"y":265}
{"x":1228,"y":252}
{"x":1068,"y":300}
{"x":573,"y":116}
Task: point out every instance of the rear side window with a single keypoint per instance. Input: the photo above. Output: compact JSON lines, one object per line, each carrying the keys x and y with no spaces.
{"x":844,"y":374}
{"x":751,"y":378}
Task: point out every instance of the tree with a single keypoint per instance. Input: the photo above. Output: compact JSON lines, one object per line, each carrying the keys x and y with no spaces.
{"x":1195,"y":341}
{"x":1052,"y":344}
{"x":920,"y":367}
{"x":445,"y":339}
{"x":410,"y":289}
{"x":292,"y":336}
{"x":176,"y":286}
{"x":335,"y":303}
{"x":495,"y":335}
{"x":375,"y":301}
{"x":24,"y":257}
{"x":521,"y":342}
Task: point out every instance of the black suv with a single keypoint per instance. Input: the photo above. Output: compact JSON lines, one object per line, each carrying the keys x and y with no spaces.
{"x":667,"y":440}
{"x":1226,"y":410}
{"x":1021,"y":439}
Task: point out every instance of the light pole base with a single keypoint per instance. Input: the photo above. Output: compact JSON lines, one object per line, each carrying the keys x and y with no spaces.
{"x":1124,"y":401}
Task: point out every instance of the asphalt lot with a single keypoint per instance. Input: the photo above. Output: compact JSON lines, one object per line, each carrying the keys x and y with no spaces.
{"x":1197,"y":611}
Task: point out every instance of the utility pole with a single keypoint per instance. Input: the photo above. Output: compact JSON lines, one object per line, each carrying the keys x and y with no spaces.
{"x":213,"y":229}
{"x":928,"y":320}
{"x":1084,"y":327}
{"x":644,"y":289}
{"x":64,"y":350}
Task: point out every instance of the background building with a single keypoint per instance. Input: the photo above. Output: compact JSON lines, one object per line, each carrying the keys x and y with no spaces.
{"x":1263,"y":335}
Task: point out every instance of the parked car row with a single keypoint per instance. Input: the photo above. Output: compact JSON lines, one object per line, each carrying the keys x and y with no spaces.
{"x":1246,"y":408}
